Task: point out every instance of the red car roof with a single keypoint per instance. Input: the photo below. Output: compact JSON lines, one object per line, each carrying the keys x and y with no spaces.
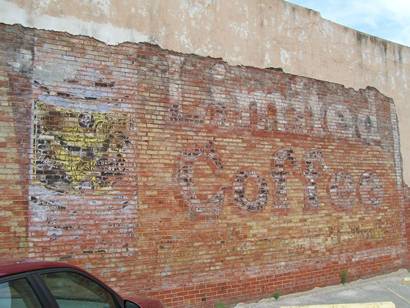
{"x":11,"y":268}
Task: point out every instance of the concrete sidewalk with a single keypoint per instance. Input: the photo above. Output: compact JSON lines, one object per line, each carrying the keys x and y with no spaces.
{"x":383,"y":288}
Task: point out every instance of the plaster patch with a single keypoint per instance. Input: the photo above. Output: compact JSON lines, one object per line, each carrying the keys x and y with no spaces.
{"x":53,"y":72}
{"x":12,"y":14}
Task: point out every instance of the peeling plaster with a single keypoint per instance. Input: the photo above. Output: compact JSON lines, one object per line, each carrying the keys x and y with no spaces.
{"x":106,"y":32}
{"x":266,"y":33}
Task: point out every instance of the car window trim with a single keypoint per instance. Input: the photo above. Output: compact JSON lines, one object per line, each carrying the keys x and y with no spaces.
{"x":40,"y":289}
{"x":35,"y":286}
{"x":118,"y":301}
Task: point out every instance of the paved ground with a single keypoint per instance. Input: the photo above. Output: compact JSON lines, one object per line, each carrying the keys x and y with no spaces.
{"x":378,"y":289}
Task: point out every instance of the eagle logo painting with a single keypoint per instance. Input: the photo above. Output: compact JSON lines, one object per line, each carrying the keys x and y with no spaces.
{"x":80,"y":164}
{"x":78,"y":150}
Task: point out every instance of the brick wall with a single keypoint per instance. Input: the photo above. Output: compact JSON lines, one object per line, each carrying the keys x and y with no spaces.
{"x":184,"y":178}
{"x":407,"y":219}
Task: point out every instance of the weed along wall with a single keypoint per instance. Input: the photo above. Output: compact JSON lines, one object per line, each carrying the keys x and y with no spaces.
{"x":184,"y":178}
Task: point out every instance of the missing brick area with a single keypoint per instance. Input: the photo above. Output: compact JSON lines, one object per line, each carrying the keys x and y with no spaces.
{"x":102,"y":84}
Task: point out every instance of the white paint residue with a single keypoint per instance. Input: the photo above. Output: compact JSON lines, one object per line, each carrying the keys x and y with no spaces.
{"x":284,"y":57}
{"x":241,"y":29}
{"x":102,"y":6}
{"x":10,"y":13}
{"x":267,"y":60}
{"x":23,"y":60}
{"x":195,"y":8}
{"x":142,"y":11}
{"x":185,"y":41}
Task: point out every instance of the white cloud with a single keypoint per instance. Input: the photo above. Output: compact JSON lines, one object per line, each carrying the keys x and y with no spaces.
{"x":389,"y":19}
{"x":399,"y":8}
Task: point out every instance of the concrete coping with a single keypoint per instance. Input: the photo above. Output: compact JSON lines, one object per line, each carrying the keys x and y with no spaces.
{"x":358,"y":305}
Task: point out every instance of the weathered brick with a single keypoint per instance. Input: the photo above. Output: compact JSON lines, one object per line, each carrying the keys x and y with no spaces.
{"x":184,"y":178}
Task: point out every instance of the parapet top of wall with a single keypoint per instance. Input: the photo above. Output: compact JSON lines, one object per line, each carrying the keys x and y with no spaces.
{"x":225,"y":26}
{"x":264,"y":33}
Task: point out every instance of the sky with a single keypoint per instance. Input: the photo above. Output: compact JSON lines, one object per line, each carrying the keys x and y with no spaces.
{"x":388,"y":19}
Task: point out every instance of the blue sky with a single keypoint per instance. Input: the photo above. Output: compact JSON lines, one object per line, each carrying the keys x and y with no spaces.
{"x":388,"y":19}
